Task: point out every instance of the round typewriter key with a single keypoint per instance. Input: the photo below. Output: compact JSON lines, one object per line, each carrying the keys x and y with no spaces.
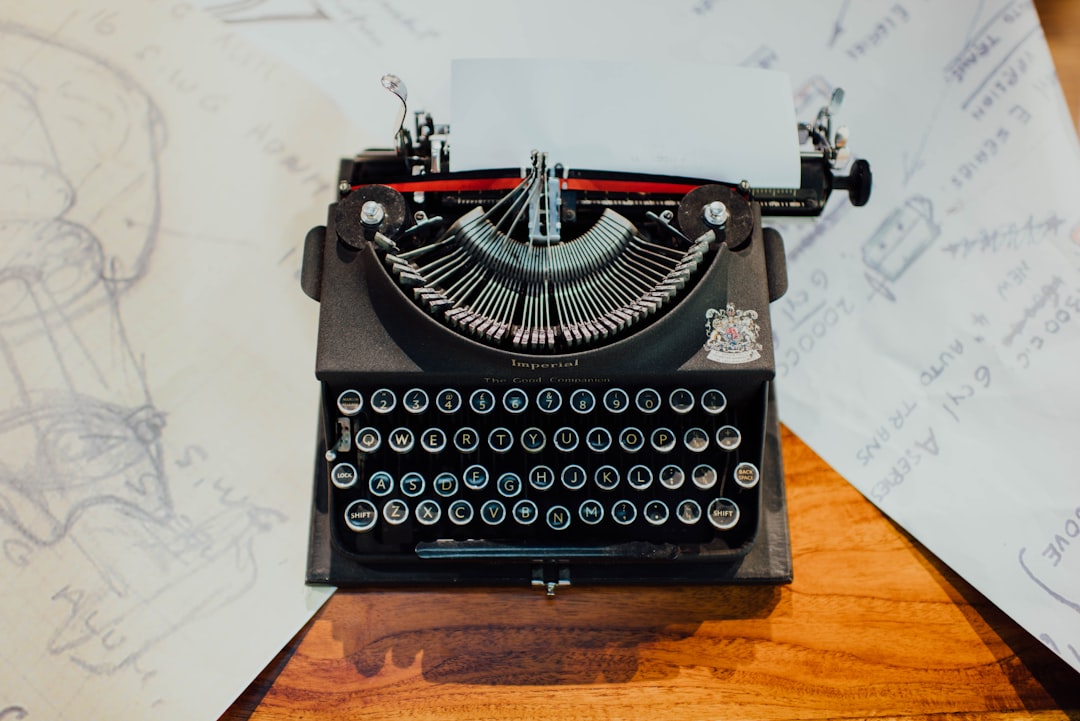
{"x":343,"y":475}
{"x":350,"y":402}
{"x":616,"y":400}
{"x":460,"y":512}
{"x":515,"y":400}
{"x":549,"y":400}
{"x":599,"y":439}
{"x":606,"y":478}
{"x":412,"y":484}
{"x":541,"y":478}
{"x":647,"y":400}
{"x":624,"y":512}
{"x":662,"y":440}
{"x":688,"y":511}
{"x":509,"y":484}
{"x":383,"y":400}
{"x":704,"y":476}
{"x":713,"y":401}
{"x":656,"y":512}
{"x":573,"y":477}
{"x":695,"y":440}
{"x":525,"y":512}
{"x":368,"y":440}
{"x":672,"y":477}
{"x":639,"y":478}
{"x":380,"y":483}
{"x":631,"y":440}
{"x":482,"y":401}
{"x":493,"y":512}
{"x":591,"y":512}
{"x":500,"y":440}
{"x":466,"y":440}
{"x":558,"y":518}
{"x":401,"y":440}
{"x":433,"y":440}
{"x":728,"y":437}
{"x":566,"y":439}
{"x":428,"y":512}
{"x":448,"y":401}
{"x":395,"y":512}
{"x":582,"y":401}
{"x":723,"y":513}
{"x":415,"y":400}
{"x":533,"y":440}
{"x":445,"y":484}
{"x":360,"y":516}
{"x":746,"y":475}
{"x":681,"y":400}
{"x":475,"y":477}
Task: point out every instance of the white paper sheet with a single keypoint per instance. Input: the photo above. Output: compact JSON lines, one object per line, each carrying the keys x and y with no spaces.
{"x":157,"y":399}
{"x":586,"y":115}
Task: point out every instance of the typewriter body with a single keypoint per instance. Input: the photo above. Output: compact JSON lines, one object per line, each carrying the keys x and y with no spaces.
{"x":549,"y":375}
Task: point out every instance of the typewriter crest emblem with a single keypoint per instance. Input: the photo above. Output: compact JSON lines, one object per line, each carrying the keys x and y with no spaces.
{"x":732,"y":335}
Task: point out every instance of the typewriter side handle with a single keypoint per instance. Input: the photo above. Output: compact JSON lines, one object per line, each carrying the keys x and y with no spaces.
{"x":311,"y":266}
{"x":775,"y":263}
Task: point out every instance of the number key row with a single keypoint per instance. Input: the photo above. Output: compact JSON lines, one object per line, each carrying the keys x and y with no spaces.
{"x":548,"y":400}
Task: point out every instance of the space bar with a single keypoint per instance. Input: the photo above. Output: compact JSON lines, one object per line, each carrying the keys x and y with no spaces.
{"x":478,"y":549}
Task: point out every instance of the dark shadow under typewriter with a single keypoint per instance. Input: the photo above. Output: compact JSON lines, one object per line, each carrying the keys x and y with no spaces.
{"x":550,"y":375}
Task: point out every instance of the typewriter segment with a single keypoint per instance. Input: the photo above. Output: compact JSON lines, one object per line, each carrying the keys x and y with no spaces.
{"x":549,"y":375}
{"x":553,"y":264}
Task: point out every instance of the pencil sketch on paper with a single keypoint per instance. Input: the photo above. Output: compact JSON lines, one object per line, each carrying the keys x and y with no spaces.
{"x":902,"y":238}
{"x":90,"y":507}
{"x":368,"y":20}
{"x":1053,"y":555}
{"x":248,"y":11}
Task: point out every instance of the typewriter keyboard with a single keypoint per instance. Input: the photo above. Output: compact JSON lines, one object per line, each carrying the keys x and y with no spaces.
{"x":552,"y":465}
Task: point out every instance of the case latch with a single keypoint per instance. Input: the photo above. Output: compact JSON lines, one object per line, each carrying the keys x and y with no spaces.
{"x":550,"y":576}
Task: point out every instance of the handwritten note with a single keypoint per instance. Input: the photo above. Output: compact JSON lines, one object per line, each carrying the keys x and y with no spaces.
{"x":927,"y":342}
{"x":947,"y":386}
{"x":157,"y":176}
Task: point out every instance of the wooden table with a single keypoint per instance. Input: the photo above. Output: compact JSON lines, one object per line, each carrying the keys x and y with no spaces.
{"x":872,"y":626}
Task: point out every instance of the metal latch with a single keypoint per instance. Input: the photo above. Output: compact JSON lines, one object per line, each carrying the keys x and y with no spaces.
{"x":550,"y":576}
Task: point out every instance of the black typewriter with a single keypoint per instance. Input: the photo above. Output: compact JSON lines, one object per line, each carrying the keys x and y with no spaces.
{"x":548,"y":375}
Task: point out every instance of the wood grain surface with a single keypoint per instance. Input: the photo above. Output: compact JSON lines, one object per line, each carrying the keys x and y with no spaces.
{"x":873,"y":626}
{"x":1061,"y":23}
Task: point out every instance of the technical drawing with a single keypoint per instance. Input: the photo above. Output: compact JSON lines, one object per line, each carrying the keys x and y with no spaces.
{"x":84,"y":490}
